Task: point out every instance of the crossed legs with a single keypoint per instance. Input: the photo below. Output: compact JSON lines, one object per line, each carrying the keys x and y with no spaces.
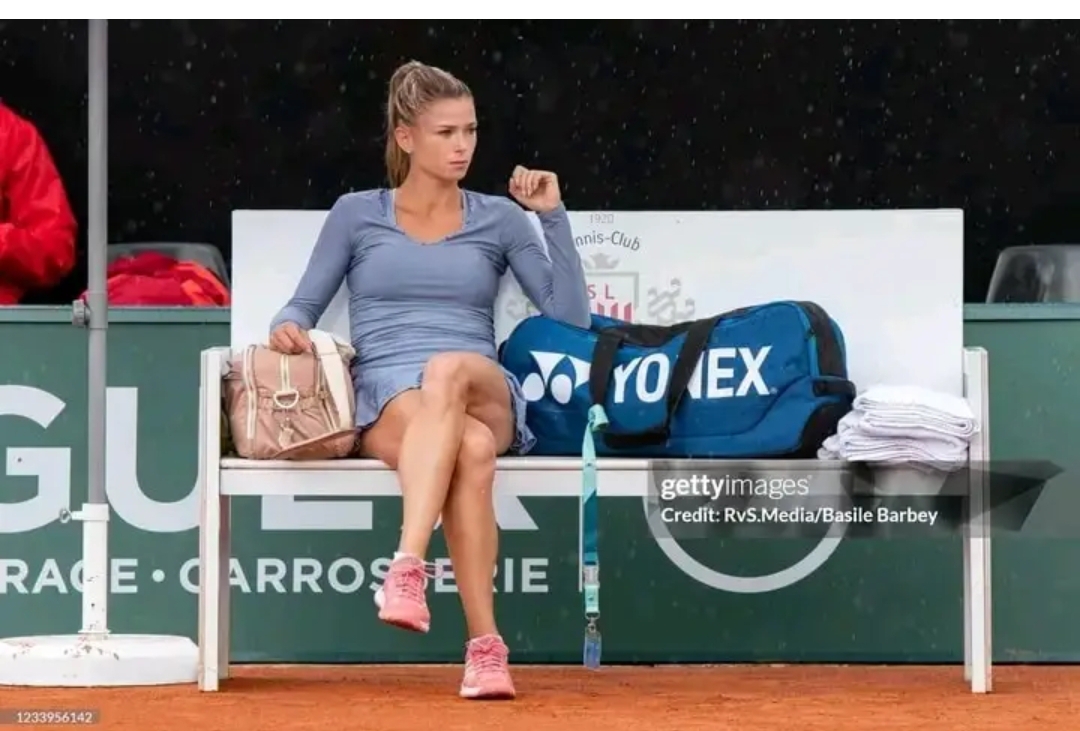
{"x":443,"y":440}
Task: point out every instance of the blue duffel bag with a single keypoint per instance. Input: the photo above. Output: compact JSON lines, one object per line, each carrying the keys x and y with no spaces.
{"x":763,"y":381}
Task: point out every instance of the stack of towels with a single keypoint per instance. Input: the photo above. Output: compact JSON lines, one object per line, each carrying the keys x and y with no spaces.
{"x":904,"y":424}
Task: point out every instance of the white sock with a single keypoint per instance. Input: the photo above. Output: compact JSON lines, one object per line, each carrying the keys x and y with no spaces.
{"x":399,"y":555}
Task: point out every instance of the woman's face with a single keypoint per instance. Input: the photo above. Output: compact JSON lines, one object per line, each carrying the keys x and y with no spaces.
{"x":443,"y":140}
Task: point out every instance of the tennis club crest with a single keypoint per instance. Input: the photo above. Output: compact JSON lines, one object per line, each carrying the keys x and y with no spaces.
{"x":612,"y":293}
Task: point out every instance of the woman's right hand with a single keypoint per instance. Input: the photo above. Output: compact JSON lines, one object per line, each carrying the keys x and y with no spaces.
{"x":290,"y":339}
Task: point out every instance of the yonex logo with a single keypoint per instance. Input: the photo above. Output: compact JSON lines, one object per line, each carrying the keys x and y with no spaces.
{"x":562,"y":385}
{"x":647,"y":377}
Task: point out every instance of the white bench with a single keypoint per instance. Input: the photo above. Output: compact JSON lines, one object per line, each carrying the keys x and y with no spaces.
{"x":267,"y":243}
{"x":223,"y":479}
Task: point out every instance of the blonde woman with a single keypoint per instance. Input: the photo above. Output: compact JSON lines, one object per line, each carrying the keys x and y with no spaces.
{"x":422,"y":260}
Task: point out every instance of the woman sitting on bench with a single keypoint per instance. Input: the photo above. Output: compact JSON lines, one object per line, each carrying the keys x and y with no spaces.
{"x":422,"y":261}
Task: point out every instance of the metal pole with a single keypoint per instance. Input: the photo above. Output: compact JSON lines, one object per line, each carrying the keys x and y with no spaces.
{"x":97,"y":240}
{"x":95,"y":512}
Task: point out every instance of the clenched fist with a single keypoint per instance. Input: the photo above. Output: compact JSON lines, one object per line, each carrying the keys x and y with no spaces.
{"x":537,"y":190}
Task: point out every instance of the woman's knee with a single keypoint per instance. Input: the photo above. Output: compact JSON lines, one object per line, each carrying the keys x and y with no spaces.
{"x":477,"y":453}
{"x":446,"y":378}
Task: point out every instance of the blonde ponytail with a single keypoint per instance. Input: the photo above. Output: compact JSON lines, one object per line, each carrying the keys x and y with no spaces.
{"x":397,"y":162}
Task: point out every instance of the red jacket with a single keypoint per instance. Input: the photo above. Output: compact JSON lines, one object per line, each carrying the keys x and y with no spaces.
{"x":150,"y":279}
{"x":37,"y":227}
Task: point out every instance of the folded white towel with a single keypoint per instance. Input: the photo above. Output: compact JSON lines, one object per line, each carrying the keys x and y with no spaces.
{"x":934,"y":450}
{"x":915,"y":407}
{"x":896,"y":421}
{"x":922,"y":453}
{"x":887,"y":395}
{"x":904,"y":424}
{"x":857,"y":425}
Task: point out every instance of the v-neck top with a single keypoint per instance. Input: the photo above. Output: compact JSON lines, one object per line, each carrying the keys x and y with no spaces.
{"x":409,"y":300}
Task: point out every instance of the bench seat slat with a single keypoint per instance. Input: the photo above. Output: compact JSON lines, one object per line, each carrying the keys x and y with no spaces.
{"x":375,"y":482}
{"x":514,"y":464}
{"x":533,"y":464}
{"x":518,"y":476}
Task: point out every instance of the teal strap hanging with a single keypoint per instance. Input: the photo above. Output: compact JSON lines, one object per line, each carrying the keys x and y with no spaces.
{"x":590,"y":537}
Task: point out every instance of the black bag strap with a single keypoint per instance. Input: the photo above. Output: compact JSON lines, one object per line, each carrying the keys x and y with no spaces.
{"x":834,"y":387}
{"x":608,"y":342}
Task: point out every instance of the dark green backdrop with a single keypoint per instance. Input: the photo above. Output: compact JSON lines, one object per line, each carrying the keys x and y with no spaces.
{"x":299,"y":596}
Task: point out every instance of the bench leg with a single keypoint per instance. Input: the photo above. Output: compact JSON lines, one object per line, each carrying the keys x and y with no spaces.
{"x":224,"y":593}
{"x":977,"y":581}
{"x":967,"y":600}
{"x":978,"y":620}
{"x":210,"y":570}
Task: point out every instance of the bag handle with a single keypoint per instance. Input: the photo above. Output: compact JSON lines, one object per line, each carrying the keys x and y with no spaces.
{"x":608,"y":342}
{"x":333,"y":369}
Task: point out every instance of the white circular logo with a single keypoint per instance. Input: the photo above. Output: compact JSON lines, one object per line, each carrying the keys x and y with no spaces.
{"x":709,"y":576}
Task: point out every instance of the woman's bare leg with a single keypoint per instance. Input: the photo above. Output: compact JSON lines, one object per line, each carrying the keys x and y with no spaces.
{"x":472,"y":534}
{"x":466,"y":504}
{"x":429,"y":450}
{"x":469,"y":512}
{"x":471,"y":531}
{"x":433,"y":427}
{"x":454,"y":384}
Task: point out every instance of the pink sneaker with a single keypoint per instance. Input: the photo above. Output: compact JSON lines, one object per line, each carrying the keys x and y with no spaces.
{"x":487,"y":674}
{"x":401,"y":599}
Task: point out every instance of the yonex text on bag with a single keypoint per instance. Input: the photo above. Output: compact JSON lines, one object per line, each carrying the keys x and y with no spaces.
{"x":646,"y":377}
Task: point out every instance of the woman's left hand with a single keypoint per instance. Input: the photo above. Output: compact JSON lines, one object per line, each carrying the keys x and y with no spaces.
{"x":537,"y":190}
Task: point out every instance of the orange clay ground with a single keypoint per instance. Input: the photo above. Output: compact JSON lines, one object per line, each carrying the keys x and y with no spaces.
{"x":675,"y":698}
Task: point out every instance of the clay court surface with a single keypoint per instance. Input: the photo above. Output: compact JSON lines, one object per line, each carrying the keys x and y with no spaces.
{"x":717,"y":698}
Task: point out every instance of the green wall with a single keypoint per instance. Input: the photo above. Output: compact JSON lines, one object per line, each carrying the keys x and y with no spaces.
{"x":305,"y":595}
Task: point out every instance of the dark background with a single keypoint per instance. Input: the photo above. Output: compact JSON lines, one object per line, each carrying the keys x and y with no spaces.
{"x":210,"y":116}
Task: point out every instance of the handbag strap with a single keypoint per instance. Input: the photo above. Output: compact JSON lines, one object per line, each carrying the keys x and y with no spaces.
{"x":333,"y":370}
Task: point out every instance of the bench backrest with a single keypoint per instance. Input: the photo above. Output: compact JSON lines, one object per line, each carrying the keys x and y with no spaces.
{"x":892,"y":279}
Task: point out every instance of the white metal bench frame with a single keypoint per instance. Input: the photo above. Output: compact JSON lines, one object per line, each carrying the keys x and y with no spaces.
{"x":221,"y":479}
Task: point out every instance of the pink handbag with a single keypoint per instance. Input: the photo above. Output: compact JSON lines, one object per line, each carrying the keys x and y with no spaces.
{"x":297,"y":407}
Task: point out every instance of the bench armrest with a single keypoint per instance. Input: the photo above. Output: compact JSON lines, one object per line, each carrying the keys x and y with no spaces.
{"x":212,"y":361}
